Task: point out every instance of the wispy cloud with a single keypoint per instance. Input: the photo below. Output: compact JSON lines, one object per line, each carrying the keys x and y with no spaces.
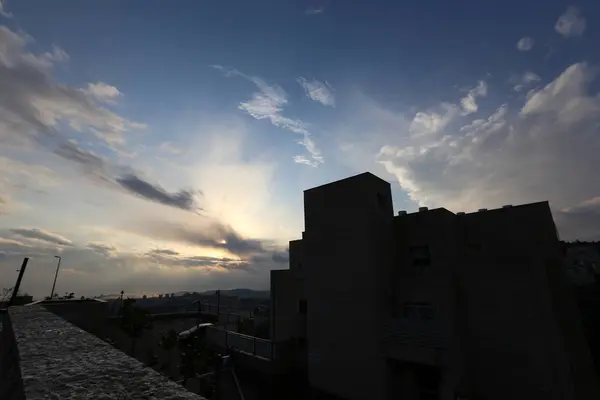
{"x":268,"y":104}
{"x":525,"y":44}
{"x":107,"y":250}
{"x":170,"y":148}
{"x":42,"y":235}
{"x":524,"y":81}
{"x":314,"y":10}
{"x":571,"y":23}
{"x":103,"y":92}
{"x":101,"y":172}
{"x":183,"y":199}
{"x":469,"y":102}
{"x":3,"y":11}
{"x":318,"y":91}
{"x":35,"y":108}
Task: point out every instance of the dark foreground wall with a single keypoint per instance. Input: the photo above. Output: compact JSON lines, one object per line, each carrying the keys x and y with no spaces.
{"x":11,"y":384}
{"x":46,"y":357}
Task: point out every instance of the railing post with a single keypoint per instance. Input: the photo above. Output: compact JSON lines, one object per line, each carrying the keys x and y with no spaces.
{"x":254,"y":346}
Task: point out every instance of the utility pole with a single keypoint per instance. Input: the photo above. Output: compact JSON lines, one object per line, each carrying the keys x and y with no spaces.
{"x":18,"y":285}
{"x":55,"y":276}
{"x":218,"y":304}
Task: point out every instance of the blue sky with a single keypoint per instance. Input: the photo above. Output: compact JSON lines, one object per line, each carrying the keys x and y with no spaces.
{"x":162,"y":147}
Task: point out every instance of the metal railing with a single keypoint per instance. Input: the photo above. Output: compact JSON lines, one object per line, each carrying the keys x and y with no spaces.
{"x":237,"y":341}
{"x":416,"y":333}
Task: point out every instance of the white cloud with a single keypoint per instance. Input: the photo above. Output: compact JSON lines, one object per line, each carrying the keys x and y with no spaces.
{"x":170,"y":148}
{"x":525,"y":44}
{"x":432,"y":122}
{"x":103,"y":92}
{"x":3,"y":11}
{"x":469,"y":102}
{"x":318,"y":91}
{"x":525,"y":80}
{"x":547,"y":150}
{"x":33,"y":105}
{"x":314,"y":10}
{"x":571,"y":23}
{"x":268,"y":103}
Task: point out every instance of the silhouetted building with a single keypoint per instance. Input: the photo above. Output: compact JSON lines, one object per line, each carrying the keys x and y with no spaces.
{"x":431,"y":304}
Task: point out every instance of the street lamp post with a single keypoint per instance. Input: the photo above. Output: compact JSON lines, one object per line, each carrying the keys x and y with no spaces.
{"x":55,"y":276}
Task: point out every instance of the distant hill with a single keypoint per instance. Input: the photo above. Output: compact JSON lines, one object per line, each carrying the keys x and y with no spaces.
{"x":242,"y":293}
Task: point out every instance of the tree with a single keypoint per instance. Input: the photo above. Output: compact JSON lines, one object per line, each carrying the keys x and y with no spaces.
{"x":144,"y":297}
{"x":168,"y":342}
{"x":197,"y":358}
{"x":134,"y":320}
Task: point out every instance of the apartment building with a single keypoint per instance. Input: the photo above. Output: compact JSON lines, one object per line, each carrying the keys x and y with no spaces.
{"x":431,"y":304}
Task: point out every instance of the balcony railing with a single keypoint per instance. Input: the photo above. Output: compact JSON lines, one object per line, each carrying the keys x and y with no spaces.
{"x":236,"y":341}
{"x":415,"y":333}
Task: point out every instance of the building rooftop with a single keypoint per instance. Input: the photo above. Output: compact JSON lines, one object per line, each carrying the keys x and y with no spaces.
{"x":45,"y":357}
{"x":503,"y":208}
{"x":345,"y":180}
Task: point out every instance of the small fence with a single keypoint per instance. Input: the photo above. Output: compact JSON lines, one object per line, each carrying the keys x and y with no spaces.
{"x":236,"y":341}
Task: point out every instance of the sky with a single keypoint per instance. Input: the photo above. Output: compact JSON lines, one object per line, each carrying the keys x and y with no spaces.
{"x":164,"y":146}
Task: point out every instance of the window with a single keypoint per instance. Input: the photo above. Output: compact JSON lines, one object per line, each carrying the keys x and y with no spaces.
{"x":302,"y":306}
{"x":420,"y":255}
{"x":418,"y":311}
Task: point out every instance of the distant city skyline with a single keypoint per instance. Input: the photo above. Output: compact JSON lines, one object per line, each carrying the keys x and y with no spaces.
{"x":159,"y":149}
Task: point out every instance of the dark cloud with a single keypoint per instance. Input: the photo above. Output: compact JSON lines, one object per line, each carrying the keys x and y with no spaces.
{"x":87,"y":272}
{"x":281,"y":258}
{"x":40,"y":234}
{"x":183,"y":199}
{"x":215,"y":235}
{"x":33,"y":104}
{"x":172,"y":258}
{"x":87,"y":159}
{"x":106,"y":250}
{"x":166,"y":252}
{"x":581,"y":222}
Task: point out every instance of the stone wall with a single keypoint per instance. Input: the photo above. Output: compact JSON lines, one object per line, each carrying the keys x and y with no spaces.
{"x":56,"y":359}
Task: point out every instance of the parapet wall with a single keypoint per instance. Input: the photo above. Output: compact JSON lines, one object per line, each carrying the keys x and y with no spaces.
{"x":44,"y":357}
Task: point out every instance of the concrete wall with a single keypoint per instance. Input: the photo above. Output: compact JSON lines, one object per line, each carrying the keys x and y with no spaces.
{"x":287,"y":289}
{"x":59,"y":360}
{"x":346,"y":245}
{"x":436,"y":342}
{"x":517,"y":348}
{"x":89,"y":315}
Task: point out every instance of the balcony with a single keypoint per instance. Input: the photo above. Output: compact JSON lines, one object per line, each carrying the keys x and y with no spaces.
{"x":43,"y":356}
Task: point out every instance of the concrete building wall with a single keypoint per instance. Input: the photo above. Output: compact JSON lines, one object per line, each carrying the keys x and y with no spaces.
{"x":415,"y":281}
{"x":346,"y":247}
{"x":516,"y":347}
{"x":505,"y":323}
{"x":287,"y":291}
